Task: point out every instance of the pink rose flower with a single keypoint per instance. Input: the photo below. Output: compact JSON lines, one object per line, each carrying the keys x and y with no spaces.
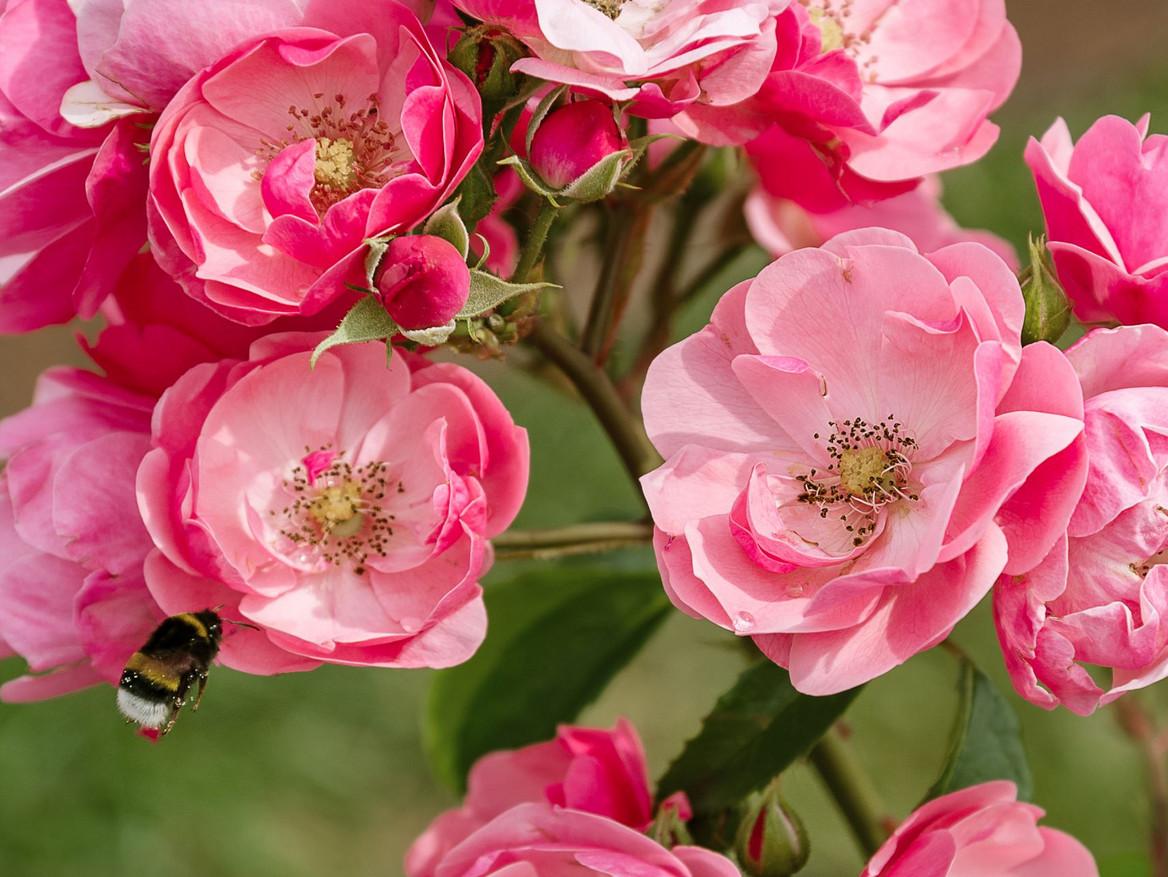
{"x":130,"y":58}
{"x":155,"y":332}
{"x":424,"y":281}
{"x":586,"y":769}
{"x":854,"y":451}
{"x":781,"y":225}
{"x":344,"y":510}
{"x":662,"y":56}
{"x":270,"y":168}
{"x":542,"y":840}
{"x":1105,"y":199}
{"x":71,"y":198}
{"x":73,"y":601}
{"x":979,"y":831}
{"x":1100,"y":597}
{"x":865,"y":98}
{"x":573,"y":138}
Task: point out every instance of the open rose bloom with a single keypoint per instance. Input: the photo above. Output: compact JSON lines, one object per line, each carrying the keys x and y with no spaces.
{"x":854,"y":452}
{"x":1100,"y":597}
{"x":575,"y":805}
{"x":344,"y":510}
{"x":980,"y":830}
{"x":74,"y":602}
{"x":1105,"y":199}
{"x":781,"y":225}
{"x":661,"y":56}
{"x":587,"y":769}
{"x":865,"y":97}
{"x":72,"y":198}
{"x":270,"y":169}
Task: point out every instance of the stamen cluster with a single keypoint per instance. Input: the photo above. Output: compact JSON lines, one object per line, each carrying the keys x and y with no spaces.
{"x":337,"y":513}
{"x":869,"y":469}
{"x":354,"y":150}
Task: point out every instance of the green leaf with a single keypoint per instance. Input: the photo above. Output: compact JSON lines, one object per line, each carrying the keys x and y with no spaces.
{"x":757,"y":729}
{"x":476,"y":194}
{"x":365,"y":321}
{"x":986,"y":742}
{"x":487,"y":292}
{"x":447,"y":224}
{"x":557,"y":636}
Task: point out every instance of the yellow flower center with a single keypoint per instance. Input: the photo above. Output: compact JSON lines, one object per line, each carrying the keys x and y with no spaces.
{"x":335,"y":165}
{"x":336,"y":509}
{"x":830,"y":27}
{"x":866,"y":472}
{"x":611,"y":8}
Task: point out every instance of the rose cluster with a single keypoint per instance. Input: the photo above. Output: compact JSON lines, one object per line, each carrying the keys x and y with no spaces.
{"x":861,"y":444}
{"x":579,"y":804}
{"x":209,"y":189}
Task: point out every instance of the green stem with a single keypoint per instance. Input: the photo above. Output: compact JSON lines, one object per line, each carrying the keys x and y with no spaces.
{"x":623,"y":247}
{"x":594,"y":386}
{"x":576,"y":539}
{"x":536,"y":238}
{"x":853,"y":792}
{"x":1140,"y":726}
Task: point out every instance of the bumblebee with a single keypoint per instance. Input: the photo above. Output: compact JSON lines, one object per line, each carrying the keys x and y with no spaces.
{"x":154,"y":685}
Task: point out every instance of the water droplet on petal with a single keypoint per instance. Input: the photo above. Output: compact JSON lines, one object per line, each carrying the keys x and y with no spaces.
{"x":794,"y":590}
{"x":410,"y":625}
{"x":744,"y":622}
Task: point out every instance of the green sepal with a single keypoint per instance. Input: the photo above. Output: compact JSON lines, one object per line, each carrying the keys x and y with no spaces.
{"x":530,"y":178}
{"x":446,"y":223}
{"x":431,"y":336}
{"x":599,"y":180}
{"x":986,"y":741}
{"x":487,"y":292}
{"x":1048,"y":312}
{"x":541,"y":110}
{"x":377,"y":247}
{"x":367,"y":320}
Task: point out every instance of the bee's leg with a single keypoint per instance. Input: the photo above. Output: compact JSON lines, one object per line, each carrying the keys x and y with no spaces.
{"x":202,"y":686}
{"x":180,"y":697}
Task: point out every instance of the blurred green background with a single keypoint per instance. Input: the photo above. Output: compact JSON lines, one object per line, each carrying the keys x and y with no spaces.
{"x":324,"y":773}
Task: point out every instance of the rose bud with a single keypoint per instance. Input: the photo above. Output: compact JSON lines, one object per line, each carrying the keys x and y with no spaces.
{"x":486,"y":54}
{"x":772,"y":841}
{"x":572,"y":140}
{"x":424,"y":281}
{"x":1048,"y":313}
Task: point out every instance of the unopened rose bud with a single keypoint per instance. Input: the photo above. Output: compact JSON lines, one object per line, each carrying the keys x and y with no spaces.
{"x":771,"y":839}
{"x":573,"y":140}
{"x":486,"y":54}
{"x":668,"y":827}
{"x":1047,"y":310}
{"x":424,"y":281}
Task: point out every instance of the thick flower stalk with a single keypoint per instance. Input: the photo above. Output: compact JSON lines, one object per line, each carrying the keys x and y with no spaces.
{"x":854,"y":451}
